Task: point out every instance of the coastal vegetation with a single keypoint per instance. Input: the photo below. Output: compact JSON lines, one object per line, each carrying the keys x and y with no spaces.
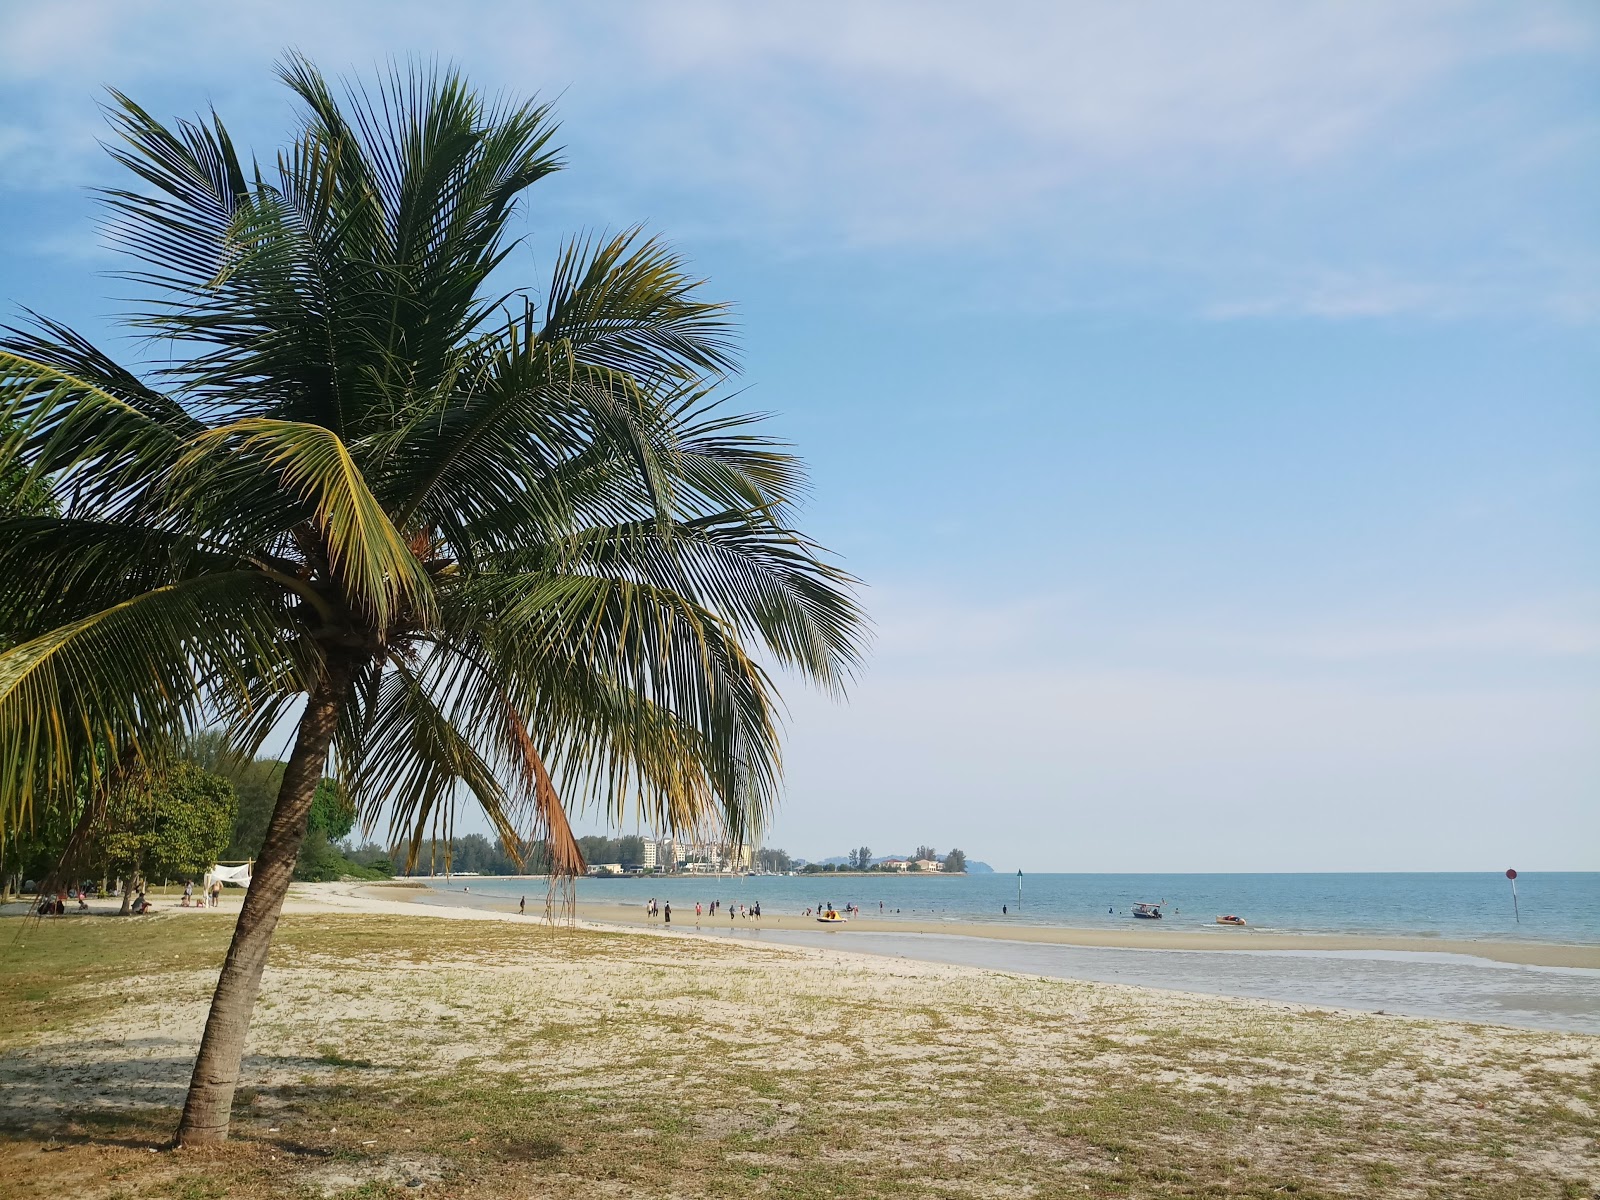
{"x":164,"y":824}
{"x":469,"y":543}
{"x":926,"y":859}
{"x":401,"y":1054}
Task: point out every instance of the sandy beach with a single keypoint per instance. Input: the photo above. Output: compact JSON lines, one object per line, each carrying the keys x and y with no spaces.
{"x":404,"y":1049}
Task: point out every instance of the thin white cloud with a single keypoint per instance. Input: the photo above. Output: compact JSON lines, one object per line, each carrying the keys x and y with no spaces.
{"x":1229,"y":160}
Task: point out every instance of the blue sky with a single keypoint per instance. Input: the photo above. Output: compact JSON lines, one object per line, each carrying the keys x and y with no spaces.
{"x":1209,"y":395}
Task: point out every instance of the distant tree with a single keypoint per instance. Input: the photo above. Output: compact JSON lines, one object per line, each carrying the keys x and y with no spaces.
{"x":925,"y":852}
{"x":861,"y":859}
{"x":769,"y":858}
{"x":955,"y":861}
{"x":630,"y":851}
{"x":373,"y":857}
{"x":332,"y":814}
{"x":811,"y":869}
{"x":171,"y":824}
{"x":332,"y":817}
{"x":472,"y":853}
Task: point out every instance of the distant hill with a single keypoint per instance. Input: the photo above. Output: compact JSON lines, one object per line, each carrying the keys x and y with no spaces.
{"x":978,"y":868}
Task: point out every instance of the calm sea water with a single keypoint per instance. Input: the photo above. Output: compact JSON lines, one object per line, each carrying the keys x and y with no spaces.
{"x":1556,"y":907}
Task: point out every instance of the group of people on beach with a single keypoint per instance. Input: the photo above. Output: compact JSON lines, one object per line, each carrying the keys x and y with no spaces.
{"x":211,"y":897}
{"x":849,"y":910}
{"x":746,"y":912}
{"x":54,"y":904}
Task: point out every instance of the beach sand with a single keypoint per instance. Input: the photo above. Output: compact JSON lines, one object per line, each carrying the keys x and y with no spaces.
{"x":404,"y":1049}
{"x":1137,"y":935}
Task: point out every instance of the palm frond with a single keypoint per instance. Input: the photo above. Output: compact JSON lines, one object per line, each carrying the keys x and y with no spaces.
{"x":367,"y":553}
{"x":105,"y":447}
{"x":412,"y":755}
{"x":629,"y":303}
{"x":137,"y":675}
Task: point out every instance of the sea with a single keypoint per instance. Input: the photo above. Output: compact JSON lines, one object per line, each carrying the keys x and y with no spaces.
{"x":1550,"y":907}
{"x":1557,"y":907}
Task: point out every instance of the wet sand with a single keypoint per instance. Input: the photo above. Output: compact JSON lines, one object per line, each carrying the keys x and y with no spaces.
{"x":1137,"y":936}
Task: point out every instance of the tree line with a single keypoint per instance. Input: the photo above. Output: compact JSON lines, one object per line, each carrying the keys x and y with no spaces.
{"x":860,"y":859}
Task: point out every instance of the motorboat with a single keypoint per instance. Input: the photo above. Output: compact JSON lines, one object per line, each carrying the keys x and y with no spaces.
{"x":831,"y":918}
{"x":1230,"y":919}
{"x":1148,"y":912}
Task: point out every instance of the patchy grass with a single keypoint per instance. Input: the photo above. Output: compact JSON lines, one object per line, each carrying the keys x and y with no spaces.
{"x":409,"y":1056}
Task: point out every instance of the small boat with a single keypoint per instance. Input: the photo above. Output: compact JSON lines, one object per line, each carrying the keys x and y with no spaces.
{"x":1230,"y":919}
{"x":1148,"y":912}
{"x":831,"y":918}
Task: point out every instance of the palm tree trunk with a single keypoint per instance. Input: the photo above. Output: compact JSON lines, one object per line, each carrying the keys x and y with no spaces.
{"x":208,"y":1109}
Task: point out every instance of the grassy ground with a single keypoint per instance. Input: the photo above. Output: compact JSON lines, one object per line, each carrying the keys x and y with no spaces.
{"x":402,"y":1056}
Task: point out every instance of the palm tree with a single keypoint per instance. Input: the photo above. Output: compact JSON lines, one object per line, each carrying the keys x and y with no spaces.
{"x":470,"y":544}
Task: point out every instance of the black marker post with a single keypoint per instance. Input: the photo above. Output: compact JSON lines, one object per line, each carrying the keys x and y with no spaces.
{"x":1512,"y":875}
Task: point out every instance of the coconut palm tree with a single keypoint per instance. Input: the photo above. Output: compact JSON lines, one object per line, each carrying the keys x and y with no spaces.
{"x":466,"y":542}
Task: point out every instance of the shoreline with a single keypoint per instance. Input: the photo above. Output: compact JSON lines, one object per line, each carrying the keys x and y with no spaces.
{"x":402,"y":896}
{"x":1531,"y":954}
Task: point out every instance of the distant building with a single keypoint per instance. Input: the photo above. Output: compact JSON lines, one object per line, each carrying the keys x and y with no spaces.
{"x":894,"y":864}
{"x":928,"y":864}
{"x":605,"y":868}
{"x":696,"y":856}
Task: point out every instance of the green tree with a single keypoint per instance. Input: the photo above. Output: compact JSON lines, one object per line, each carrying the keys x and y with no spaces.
{"x":861,"y":859}
{"x":927,"y":852}
{"x":770,"y":858}
{"x":166,"y":824}
{"x":490,"y":547}
{"x":331,"y":818}
{"x":955,"y":861}
{"x":332,"y":815}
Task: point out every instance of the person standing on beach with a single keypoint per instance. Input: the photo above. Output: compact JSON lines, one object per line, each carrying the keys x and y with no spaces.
{"x":522,"y":907}
{"x":667,"y":912}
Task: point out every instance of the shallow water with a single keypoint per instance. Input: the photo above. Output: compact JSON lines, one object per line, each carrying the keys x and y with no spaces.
{"x":1452,"y":986}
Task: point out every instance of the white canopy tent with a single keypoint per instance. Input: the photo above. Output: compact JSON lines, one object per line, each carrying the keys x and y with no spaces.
{"x":238,"y":876}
